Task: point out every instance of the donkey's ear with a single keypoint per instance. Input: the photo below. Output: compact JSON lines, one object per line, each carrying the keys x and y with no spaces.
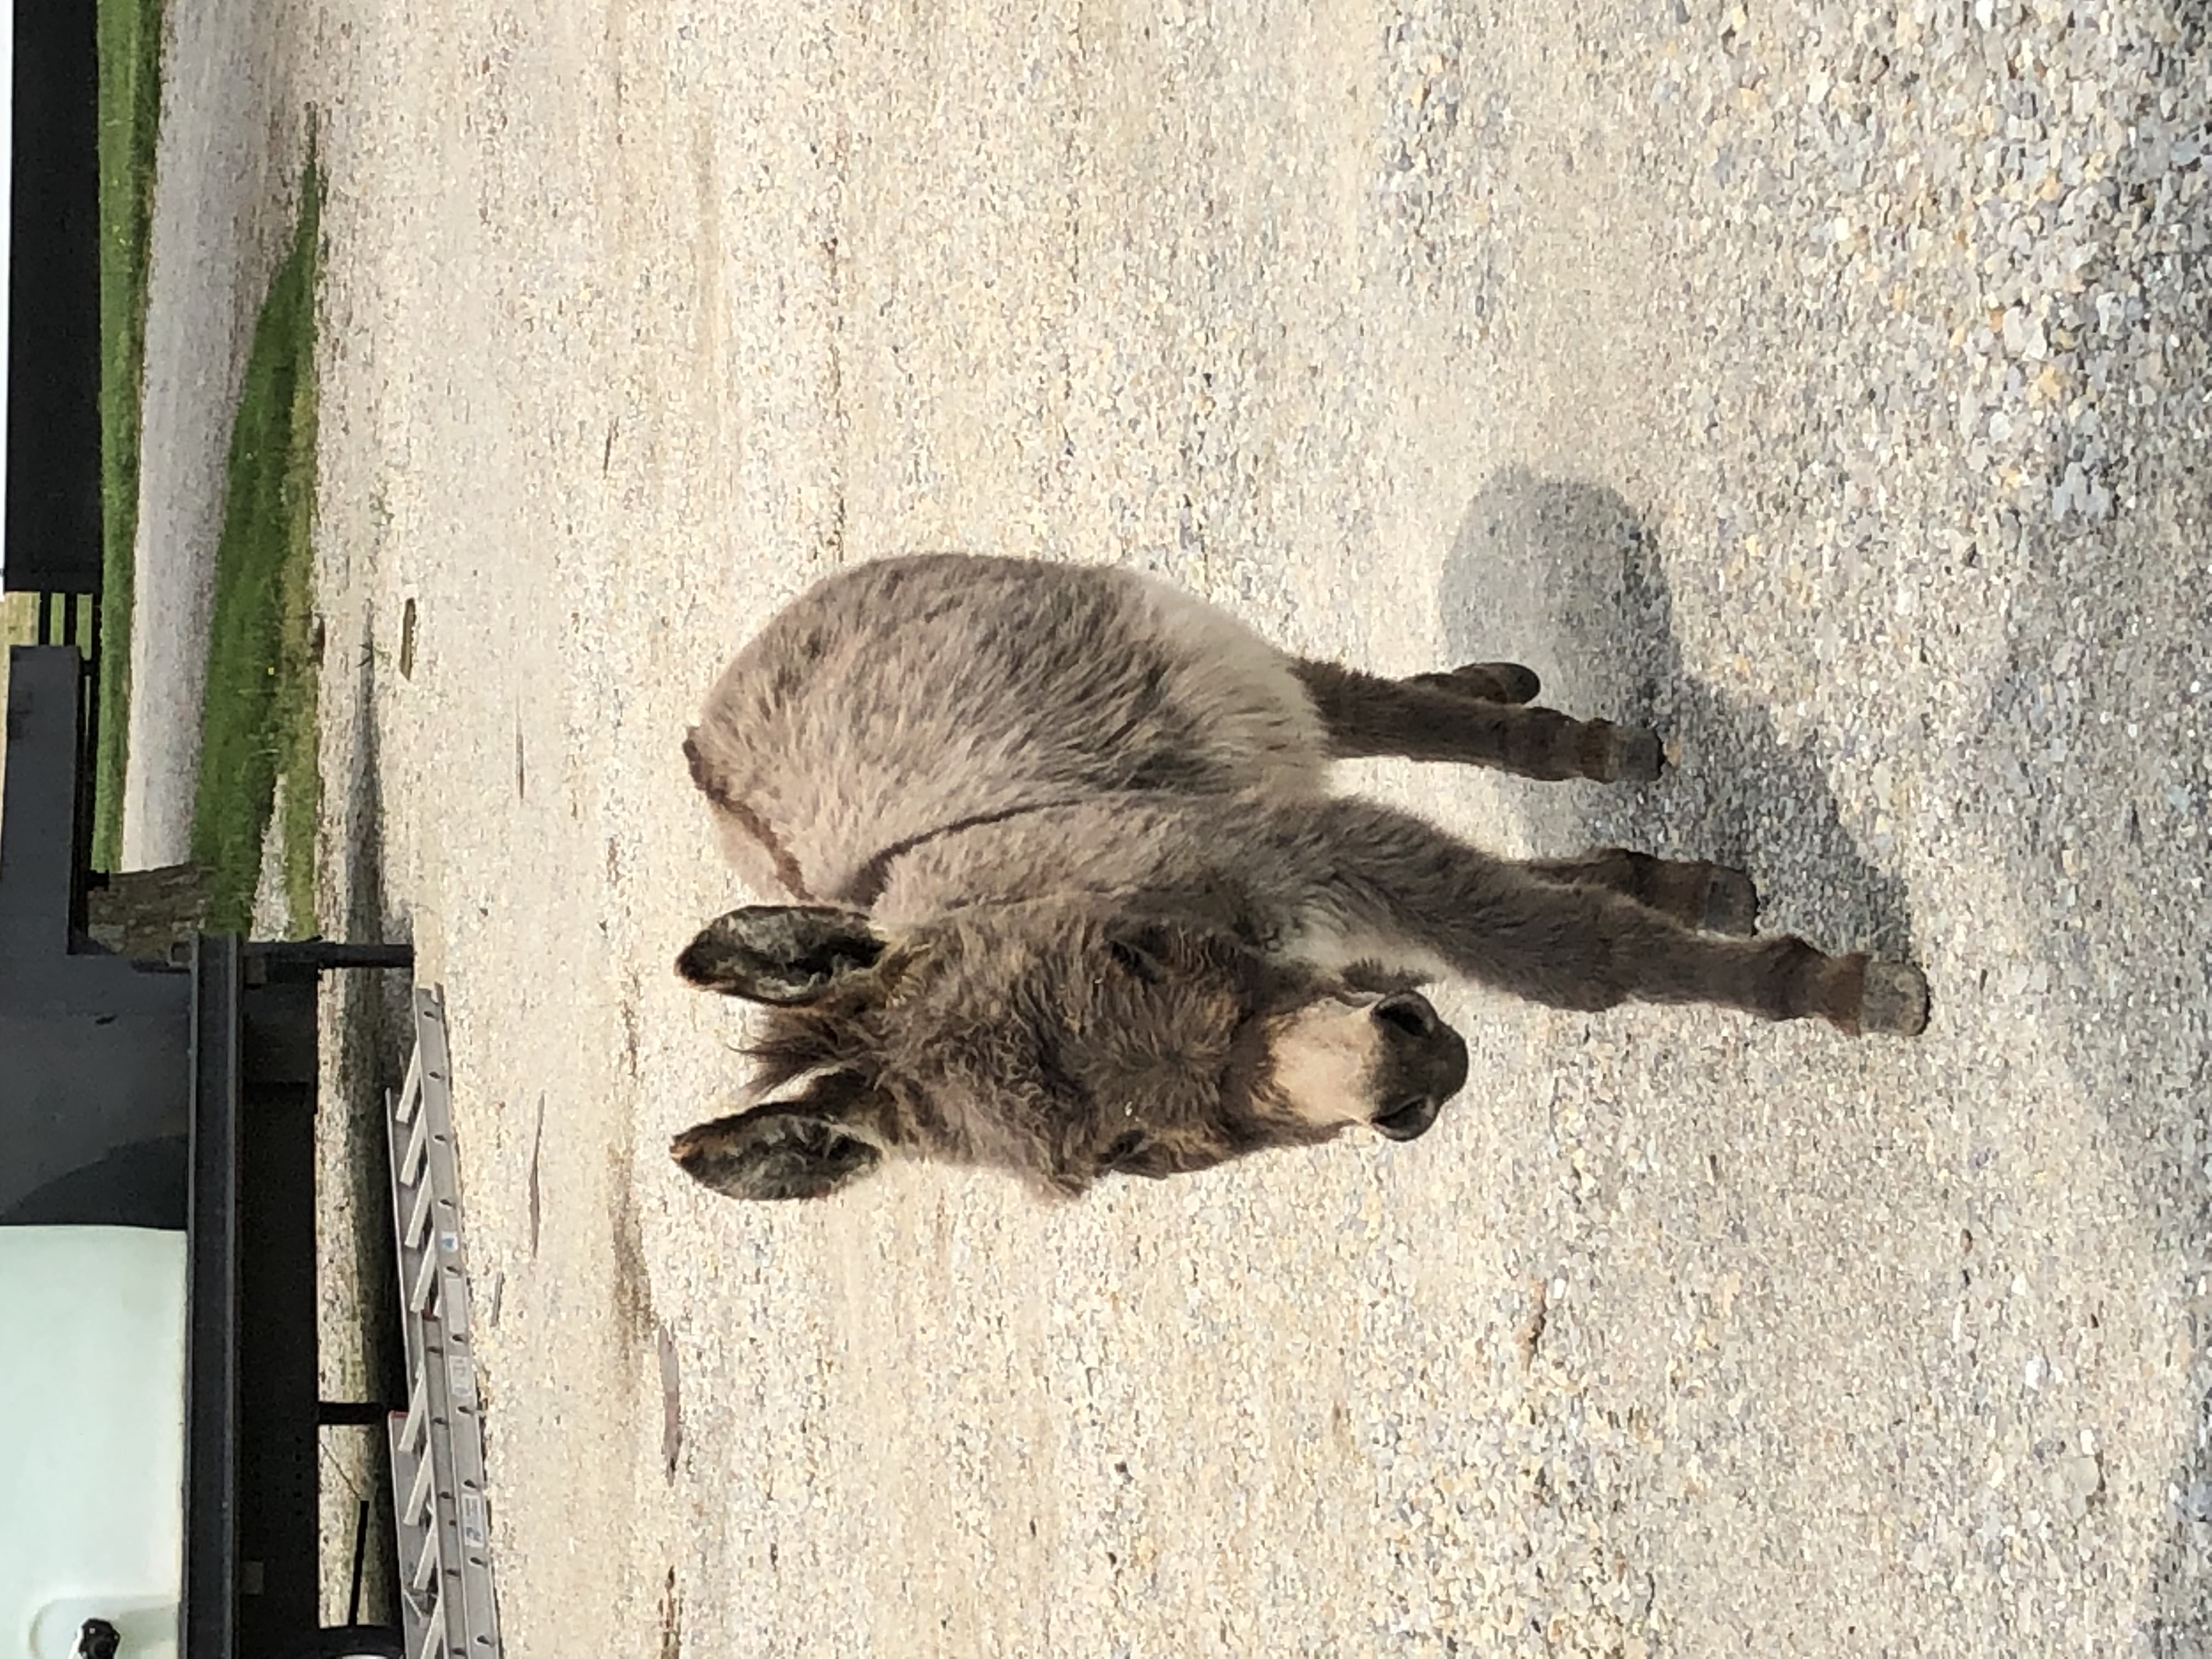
{"x":786,"y":954}
{"x":792,"y":1149}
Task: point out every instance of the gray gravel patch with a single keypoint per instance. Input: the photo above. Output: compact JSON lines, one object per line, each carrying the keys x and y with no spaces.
{"x":1827,"y":385}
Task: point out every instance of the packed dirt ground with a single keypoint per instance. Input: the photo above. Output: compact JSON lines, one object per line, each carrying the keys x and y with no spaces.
{"x":1826,"y":386}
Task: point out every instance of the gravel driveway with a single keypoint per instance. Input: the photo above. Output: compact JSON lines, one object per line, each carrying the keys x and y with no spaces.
{"x":1829,"y":388}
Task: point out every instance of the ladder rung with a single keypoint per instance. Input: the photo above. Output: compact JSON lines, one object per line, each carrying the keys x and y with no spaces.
{"x":417,"y":1510}
{"x":426,"y":1559}
{"x":418,"y":1217}
{"x":410,"y":1092}
{"x":418,"y":1143}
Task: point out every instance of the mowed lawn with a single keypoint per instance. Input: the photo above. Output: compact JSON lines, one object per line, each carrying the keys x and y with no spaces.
{"x":129,"y":42}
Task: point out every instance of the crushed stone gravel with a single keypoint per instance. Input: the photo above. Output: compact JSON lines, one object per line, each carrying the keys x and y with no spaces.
{"x":1827,"y":385}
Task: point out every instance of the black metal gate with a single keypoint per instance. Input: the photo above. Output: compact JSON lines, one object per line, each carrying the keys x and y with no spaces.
{"x":53,"y":517}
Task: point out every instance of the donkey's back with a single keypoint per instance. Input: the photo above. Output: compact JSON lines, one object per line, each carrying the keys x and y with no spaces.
{"x":895,"y":701}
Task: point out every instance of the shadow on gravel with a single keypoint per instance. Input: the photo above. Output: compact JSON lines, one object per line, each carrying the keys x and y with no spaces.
{"x":372,"y":1030}
{"x":2107,"y":834}
{"x":1564,"y":577}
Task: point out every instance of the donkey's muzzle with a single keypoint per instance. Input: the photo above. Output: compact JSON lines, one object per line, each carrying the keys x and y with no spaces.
{"x":1424,"y":1064}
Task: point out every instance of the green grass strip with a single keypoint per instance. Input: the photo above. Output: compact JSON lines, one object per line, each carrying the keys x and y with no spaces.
{"x":128,"y":41}
{"x":258,"y":721}
{"x":299,"y":687}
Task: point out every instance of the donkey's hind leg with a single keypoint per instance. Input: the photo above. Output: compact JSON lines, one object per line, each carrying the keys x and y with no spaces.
{"x":1711,"y":896}
{"x":1367,"y":715}
{"x":1486,"y":682}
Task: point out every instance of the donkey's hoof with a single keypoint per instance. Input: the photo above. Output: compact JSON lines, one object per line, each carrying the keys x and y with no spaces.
{"x":1632,"y":755}
{"x":1731,"y":903}
{"x":1895,"y":999}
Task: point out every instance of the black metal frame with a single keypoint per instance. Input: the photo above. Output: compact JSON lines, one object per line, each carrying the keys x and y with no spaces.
{"x":207,"y":1621}
{"x":252,"y":1565}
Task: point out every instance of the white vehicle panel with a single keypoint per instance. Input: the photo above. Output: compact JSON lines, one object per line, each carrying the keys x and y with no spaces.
{"x":92,"y":1437}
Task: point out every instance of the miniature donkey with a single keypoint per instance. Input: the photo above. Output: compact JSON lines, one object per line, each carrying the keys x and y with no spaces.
{"x":1071,"y":897}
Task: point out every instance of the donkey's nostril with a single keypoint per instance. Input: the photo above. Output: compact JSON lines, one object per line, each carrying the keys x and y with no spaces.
{"x":1408,"y":1012}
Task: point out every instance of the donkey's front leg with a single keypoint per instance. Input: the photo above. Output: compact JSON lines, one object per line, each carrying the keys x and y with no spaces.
{"x":1589,"y":948}
{"x":1381,"y":876}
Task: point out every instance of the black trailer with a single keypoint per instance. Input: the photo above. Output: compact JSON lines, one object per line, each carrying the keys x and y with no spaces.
{"x":177,"y":1095}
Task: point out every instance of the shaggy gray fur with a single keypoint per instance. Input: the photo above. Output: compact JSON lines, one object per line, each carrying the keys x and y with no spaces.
{"x":1073,"y":897}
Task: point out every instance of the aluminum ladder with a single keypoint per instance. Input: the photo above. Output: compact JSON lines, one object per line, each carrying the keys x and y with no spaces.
{"x":446,"y":1609}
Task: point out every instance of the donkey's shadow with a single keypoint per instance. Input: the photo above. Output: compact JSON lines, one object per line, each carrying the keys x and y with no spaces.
{"x":1563,"y":576}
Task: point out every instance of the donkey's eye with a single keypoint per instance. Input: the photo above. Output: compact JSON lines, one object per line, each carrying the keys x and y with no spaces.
{"x":1135,"y":961}
{"x":1123,"y":1150}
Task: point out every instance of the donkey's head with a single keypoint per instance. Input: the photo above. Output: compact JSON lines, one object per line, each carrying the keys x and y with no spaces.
{"x":1060,"y":1041}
